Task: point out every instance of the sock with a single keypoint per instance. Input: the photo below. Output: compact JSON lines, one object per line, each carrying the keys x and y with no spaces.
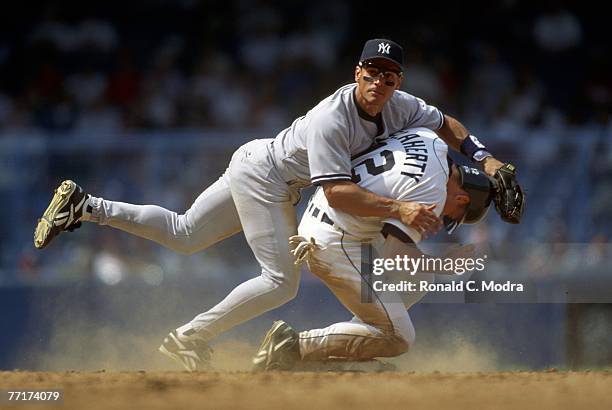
{"x":91,"y":209}
{"x":87,"y":210}
{"x":187,"y":332}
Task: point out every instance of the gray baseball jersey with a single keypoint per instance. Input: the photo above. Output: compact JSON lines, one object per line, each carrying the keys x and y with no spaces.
{"x":318,"y":146}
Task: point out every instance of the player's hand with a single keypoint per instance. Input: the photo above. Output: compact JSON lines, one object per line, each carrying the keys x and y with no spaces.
{"x":420,"y":217}
{"x":491,"y":165}
{"x":303,"y":248}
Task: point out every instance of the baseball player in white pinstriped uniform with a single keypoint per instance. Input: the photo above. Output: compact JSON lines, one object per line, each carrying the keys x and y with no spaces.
{"x":260,"y":188}
{"x":409,"y":165}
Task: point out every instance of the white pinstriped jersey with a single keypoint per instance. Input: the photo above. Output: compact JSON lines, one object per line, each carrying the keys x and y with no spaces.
{"x":409,"y":165}
{"x":318,"y":146}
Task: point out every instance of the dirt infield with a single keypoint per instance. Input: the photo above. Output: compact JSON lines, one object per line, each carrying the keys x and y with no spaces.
{"x":242,"y":390}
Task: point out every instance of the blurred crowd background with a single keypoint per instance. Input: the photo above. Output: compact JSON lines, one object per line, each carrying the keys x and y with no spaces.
{"x":144,"y":102}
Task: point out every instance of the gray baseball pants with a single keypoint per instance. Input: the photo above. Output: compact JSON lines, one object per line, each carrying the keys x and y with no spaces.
{"x":250,"y":196}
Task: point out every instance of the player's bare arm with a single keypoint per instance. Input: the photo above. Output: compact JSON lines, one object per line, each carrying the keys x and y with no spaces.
{"x":351,"y":198}
{"x":454,"y":134}
{"x":510,"y":201}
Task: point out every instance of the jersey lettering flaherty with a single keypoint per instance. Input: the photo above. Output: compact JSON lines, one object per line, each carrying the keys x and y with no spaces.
{"x":408,"y":165}
{"x":318,"y":146}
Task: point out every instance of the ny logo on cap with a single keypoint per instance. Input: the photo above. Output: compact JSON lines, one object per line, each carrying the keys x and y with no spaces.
{"x":384,"y":48}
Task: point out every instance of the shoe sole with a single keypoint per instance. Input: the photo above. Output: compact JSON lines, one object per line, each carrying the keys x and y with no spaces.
{"x":174,"y":357}
{"x":45,"y":224}
{"x":259,"y":363}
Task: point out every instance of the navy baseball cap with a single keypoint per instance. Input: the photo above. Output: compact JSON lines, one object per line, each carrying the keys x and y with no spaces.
{"x":383,"y":48}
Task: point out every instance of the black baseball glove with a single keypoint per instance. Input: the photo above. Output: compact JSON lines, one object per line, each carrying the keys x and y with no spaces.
{"x":509,"y":197}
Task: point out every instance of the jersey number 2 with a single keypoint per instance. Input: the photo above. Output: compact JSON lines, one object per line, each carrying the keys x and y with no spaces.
{"x":372,"y":168}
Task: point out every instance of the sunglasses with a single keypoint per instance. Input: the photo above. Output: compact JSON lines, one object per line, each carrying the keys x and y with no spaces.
{"x":374,"y":72}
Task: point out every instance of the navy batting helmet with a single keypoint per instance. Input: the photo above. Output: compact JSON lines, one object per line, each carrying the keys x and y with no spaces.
{"x":480,"y":188}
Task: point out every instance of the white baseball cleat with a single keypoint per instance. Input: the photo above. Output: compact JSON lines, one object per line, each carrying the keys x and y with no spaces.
{"x":279,"y":350}
{"x":193,"y":355}
{"x":63,"y":213}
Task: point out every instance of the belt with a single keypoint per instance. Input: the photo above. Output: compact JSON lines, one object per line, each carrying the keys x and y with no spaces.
{"x":317,"y":214}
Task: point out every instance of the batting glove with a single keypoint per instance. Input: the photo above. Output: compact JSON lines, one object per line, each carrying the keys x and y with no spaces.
{"x":303,"y":248}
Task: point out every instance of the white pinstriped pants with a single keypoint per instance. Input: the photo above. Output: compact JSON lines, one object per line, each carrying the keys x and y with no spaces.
{"x":380,"y":328}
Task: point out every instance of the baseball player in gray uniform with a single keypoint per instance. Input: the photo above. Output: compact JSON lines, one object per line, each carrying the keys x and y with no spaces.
{"x":260,"y":188}
{"x":409,"y":165}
